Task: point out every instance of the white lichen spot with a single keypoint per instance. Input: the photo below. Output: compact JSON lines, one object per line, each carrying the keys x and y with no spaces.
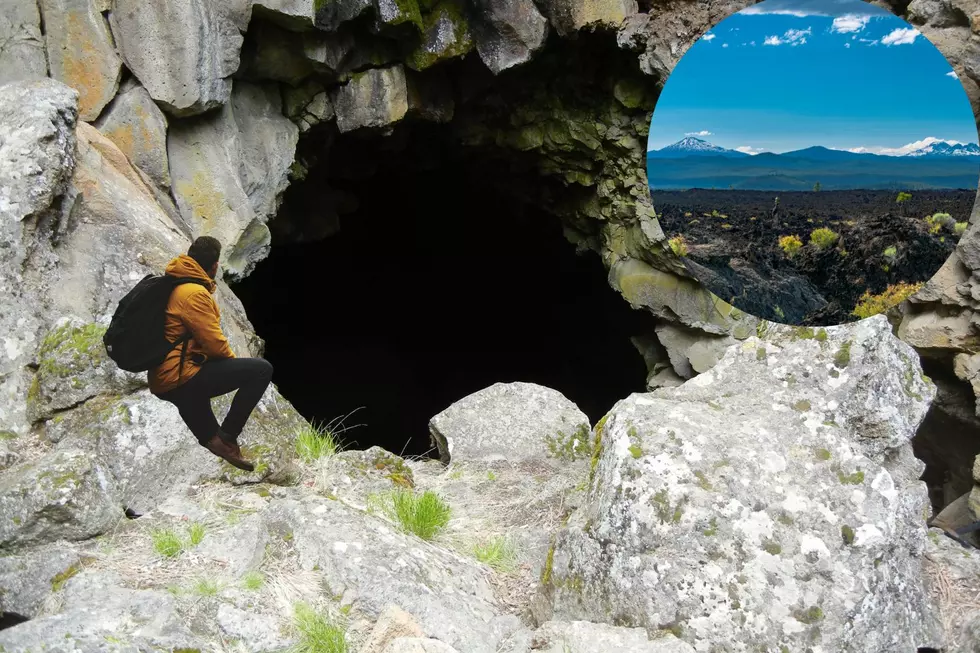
{"x":340,"y":547}
{"x":773,"y":462}
{"x":690,"y":453}
{"x":811,"y":544}
{"x":858,"y":497}
{"x":885,"y":485}
{"x":13,"y":348}
{"x":832,"y":405}
{"x":754,"y":527}
{"x":319,"y":510}
{"x":868,"y":535}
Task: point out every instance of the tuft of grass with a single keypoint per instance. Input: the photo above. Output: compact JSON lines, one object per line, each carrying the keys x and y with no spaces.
{"x":196,"y":533}
{"x":253,"y":580}
{"x":678,"y":246}
{"x":167,"y":543}
{"x":317,"y":633}
{"x":422,"y":514}
{"x":790,"y":245}
{"x":316,"y":441}
{"x":497,"y":552}
{"x":893,"y":295}
{"x":206,"y":587}
{"x":823,"y":238}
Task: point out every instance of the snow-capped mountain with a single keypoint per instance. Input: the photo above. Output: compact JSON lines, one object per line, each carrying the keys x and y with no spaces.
{"x":946,"y":148}
{"x":692,"y":146}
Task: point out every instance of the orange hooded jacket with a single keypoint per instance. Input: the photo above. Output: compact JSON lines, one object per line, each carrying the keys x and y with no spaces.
{"x":191,"y":308}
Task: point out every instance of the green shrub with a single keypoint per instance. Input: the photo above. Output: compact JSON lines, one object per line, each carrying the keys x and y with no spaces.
{"x":903,"y":197}
{"x":890,"y":253}
{"x":678,"y":245}
{"x":869,"y":304}
{"x":790,"y":244}
{"x":317,"y":634}
{"x":960,"y":227}
{"x":497,"y":552}
{"x":424,"y":515}
{"x":823,"y":238}
{"x":937,"y":221}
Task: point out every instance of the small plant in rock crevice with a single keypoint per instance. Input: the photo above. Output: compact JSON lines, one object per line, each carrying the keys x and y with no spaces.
{"x":894,"y":294}
{"x":678,"y":245}
{"x":253,"y":581}
{"x":168,"y":542}
{"x":497,"y":552}
{"x":316,"y":441}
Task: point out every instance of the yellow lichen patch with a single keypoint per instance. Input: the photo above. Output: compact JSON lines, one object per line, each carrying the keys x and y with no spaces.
{"x":124,"y":139}
{"x":84,"y":65}
{"x":203,"y":196}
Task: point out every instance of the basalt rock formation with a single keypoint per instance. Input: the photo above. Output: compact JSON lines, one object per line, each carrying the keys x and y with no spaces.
{"x":128,"y":128}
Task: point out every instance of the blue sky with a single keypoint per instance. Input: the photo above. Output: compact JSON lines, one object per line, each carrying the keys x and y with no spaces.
{"x":787,"y":74}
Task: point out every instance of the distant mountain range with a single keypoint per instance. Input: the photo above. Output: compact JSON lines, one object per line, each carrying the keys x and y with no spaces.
{"x":696,"y":163}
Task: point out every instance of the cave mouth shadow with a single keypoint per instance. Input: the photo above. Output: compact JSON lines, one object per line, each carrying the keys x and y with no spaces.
{"x":439,"y":281}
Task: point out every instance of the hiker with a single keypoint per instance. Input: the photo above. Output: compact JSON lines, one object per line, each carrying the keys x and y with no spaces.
{"x":204,"y":365}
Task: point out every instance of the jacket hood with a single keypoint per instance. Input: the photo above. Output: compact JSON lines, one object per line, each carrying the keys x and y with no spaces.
{"x":185,"y":266}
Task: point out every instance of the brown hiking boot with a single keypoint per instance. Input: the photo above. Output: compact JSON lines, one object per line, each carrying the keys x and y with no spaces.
{"x":231,"y":442}
{"x":222,"y":449}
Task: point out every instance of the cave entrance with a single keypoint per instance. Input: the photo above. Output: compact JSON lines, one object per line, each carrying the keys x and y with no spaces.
{"x":437,"y":279}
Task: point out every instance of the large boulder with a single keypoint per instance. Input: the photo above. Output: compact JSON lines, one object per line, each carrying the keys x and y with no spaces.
{"x":66,"y":494}
{"x":21,"y":42}
{"x":508,"y":33}
{"x":81,"y":52}
{"x":369,"y":566}
{"x":569,"y":16}
{"x":374,"y":98}
{"x":28,"y":578}
{"x":230,"y":169}
{"x":136,"y":125}
{"x":588,"y":637}
{"x":446,"y":34}
{"x":183,"y":52}
{"x":777,"y":489}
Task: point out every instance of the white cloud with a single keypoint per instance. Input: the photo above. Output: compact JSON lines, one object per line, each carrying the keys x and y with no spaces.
{"x":703,"y":132}
{"x":849,"y":23}
{"x":749,"y":11}
{"x":748,"y":149}
{"x":724,"y":45}
{"x":751,"y":42}
{"x":792,"y":36}
{"x":901,"y":36}
{"x":708,"y":36}
{"x":869,"y":41}
{"x":801,"y":8}
{"x":847,"y":45}
{"x":905,"y":149}
{"x":952,"y":74}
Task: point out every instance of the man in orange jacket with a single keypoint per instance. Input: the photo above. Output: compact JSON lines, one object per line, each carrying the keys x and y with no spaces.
{"x":205,"y":366}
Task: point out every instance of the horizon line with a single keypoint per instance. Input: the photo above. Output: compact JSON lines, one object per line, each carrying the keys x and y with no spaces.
{"x":827,"y":147}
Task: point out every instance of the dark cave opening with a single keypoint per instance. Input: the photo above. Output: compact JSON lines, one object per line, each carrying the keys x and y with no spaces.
{"x":439,"y":281}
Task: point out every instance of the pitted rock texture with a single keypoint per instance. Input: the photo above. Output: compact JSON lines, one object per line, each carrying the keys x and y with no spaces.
{"x":137,"y":126}
{"x":771,"y":501}
{"x":22,"y":53}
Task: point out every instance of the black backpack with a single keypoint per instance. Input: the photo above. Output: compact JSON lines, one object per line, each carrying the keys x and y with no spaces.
{"x":135,"y":338}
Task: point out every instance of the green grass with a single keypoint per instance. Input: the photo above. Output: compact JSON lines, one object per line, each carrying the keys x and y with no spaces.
{"x":253,"y":580}
{"x":206,"y":587}
{"x":497,"y":552}
{"x":422,"y":514}
{"x":196,"y":533}
{"x":823,"y":238}
{"x":167,"y":543}
{"x":317,"y":634}
{"x":315,"y":442}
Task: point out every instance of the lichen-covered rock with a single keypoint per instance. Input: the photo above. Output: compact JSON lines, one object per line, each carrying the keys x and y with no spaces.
{"x":66,"y":494}
{"x":777,"y":489}
{"x":445,"y":34}
{"x":374,"y":98}
{"x":183,"y":52}
{"x":149,"y":451}
{"x":22,"y":53}
{"x":27,"y":579}
{"x":508,"y":32}
{"x":691,"y":352}
{"x":392,"y":623}
{"x":120,"y":619}
{"x":292,"y":14}
{"x":73,"y":367}
{"x":569,"y":16}
{"x":588,"y":637}
{"x":81,"y":53}
{"x":418,"y":645}
{"x":369,"y":566}
{"x":512,"y":422}
{"x":230,"y":169}
{"x":136,"y":125}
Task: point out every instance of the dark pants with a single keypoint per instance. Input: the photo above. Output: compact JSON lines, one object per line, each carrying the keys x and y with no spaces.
{"x":250,"y":376}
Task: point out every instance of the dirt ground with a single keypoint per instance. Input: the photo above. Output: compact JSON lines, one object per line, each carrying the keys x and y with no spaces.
{"x":733,"y":245}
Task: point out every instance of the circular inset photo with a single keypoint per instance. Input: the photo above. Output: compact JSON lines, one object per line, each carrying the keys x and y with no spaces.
{"x":813,"y":162}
